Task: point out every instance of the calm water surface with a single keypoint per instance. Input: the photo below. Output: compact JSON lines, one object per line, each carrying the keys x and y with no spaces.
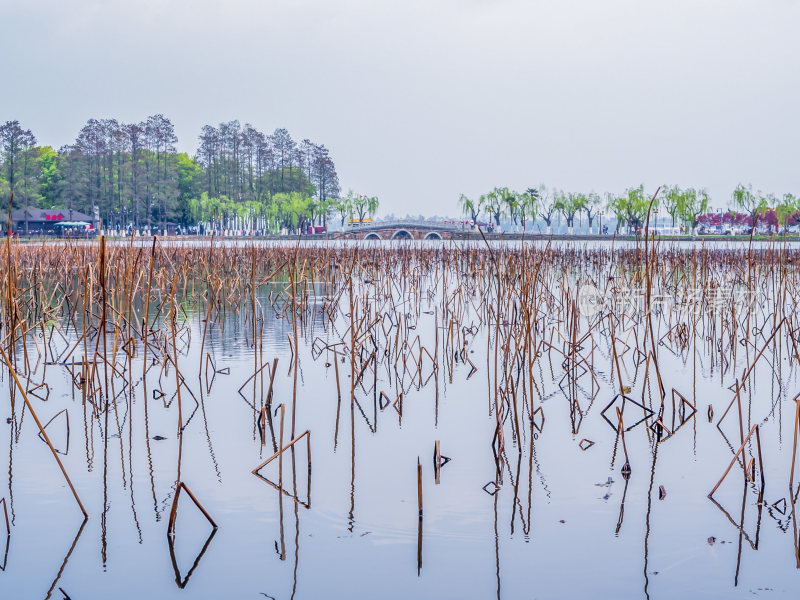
{"x":563,"y":523}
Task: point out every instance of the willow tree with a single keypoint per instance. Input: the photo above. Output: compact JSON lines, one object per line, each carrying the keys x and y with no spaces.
{"x":691,"y":204}
{"x":636,"y":206}
{"x":365,"y":205}
{"x":569,"y":205}
{"x":471,"y":208}
{"x":630,"y":208}
{"x":785,"y":209}
{"x":547,"y":202}
{"x":510,"y":203}
{"x":670,"y":200}
{"x":528,"y":205}
{"x":591,"y":207}
{"x":293,"y":209}
{"x":616,"y":204}
{"x":493,"y":201}
{"x":748,"y":202}
{"x":325,"y":208}
{"x":344,"y":206}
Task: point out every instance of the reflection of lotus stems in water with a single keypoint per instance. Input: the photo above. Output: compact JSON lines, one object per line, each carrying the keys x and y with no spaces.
{"x":94,"y":308}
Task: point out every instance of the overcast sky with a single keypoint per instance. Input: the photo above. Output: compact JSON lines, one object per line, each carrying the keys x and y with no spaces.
{"x":419,"y":101}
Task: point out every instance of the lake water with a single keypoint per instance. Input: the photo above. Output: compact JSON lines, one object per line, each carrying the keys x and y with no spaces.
{"x":542,"y":518}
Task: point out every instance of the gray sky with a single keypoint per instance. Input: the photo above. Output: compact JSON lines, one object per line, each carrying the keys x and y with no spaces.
{"x":419,"y":101}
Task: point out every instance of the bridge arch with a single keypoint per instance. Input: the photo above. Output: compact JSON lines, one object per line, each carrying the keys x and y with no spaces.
{"x":397,"y":230}
{"x":402,"y":234}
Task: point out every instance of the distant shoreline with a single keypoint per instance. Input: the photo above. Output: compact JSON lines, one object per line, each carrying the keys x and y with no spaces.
{"x":456,"y":236}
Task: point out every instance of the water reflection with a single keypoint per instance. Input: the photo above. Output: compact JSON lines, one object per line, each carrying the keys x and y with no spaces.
{"x":192,"y":411}
{"x":66,"y":559}
{"x":180,"y":580}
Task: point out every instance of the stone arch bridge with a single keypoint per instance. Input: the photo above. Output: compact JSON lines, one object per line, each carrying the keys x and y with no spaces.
{"x":400,"y":230}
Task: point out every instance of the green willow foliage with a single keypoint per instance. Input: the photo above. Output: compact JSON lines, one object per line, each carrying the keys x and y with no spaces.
{"x":675,"y":206}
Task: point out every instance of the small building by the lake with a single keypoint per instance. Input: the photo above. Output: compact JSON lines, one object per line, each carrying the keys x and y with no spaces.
{"x":36,"y":221}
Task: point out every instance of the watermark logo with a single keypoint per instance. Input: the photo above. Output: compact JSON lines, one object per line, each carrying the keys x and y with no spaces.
{"x":634,"y":301}
{"x":591,"y":301}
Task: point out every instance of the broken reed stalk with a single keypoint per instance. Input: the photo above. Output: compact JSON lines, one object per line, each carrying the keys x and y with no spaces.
{"x":733,"y":461}
{"x":263,"y":425}
{"x":437,"y":460}
{"x":103,"y":316}
{"x":296,"y":354}
{"x":419,"y":487}
{"x":750,"y":369}
{"x":306,"y":434}
{"x":5,"y":512}
{"x":353,"y":345}
{"x":280,"y":449}
{"x":42,"y":431}
{"x":760,"y":462}
{"x":626,"y":468}
{"x":336,"y":369}
{"x":256,"y":346}
{"x":10,"y":312}
{"x":794,"y":446}
{"x":173,"y":515}
{"x":172,"y":323}
{"x":145,"y":316}
{"x":519,"y":309}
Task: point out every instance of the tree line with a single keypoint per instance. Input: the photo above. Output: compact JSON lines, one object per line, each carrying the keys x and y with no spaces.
{"x":681,"y":206}
{"x":132,"y":176}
